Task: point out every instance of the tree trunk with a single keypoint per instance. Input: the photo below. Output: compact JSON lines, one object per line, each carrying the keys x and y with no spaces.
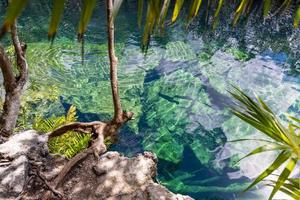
{"x":13,"y":85}
{"x":118,"y":112}
{"x":10,"y":112}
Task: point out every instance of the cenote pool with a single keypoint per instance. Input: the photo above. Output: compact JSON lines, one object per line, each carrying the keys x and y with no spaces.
{"x":177,"y":90}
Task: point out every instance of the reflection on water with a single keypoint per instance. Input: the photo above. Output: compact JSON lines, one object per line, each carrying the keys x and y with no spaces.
{"x":178,"y":91}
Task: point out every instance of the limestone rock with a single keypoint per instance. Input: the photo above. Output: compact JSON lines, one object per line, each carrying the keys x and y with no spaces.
{"x":112,"y":177}
{"x":14,"y":160}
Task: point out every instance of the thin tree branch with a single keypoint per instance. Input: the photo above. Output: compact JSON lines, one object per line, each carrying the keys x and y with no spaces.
{"x":20,"y":50}
{"x":113,"y":64}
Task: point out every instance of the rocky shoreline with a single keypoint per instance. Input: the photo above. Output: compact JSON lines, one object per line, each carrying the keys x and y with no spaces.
{"x":26,"y":167}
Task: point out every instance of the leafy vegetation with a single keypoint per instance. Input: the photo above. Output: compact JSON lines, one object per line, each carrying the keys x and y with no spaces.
{"x":290,"y":187}
{"x":156,"y":16}
{"x":68,"y":144}
{"x":286,"y":140}
{"x":157,"y":12}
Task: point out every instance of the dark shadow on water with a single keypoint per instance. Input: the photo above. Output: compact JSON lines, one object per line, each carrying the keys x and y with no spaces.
{"x":201,"y":176}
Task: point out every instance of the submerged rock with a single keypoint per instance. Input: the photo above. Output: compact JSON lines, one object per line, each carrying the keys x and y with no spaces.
{"x":113,"y":176}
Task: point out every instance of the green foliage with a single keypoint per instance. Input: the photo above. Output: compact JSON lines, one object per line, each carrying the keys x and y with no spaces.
{"x":291,"y":187}
{"x":239,"y":54}
{"x":116,"y":8}
{"x":297,"y":18}
{"x":286,"y":140}
{"x":177,"y":8}
{"x":68,"y":144}
{"x":36,"y":99}
{"x":14,"y":10}
{"x":156,"y":15}
{"x":57,"y":12}
{"x":156,"y":12}
{"x":87,"y":11}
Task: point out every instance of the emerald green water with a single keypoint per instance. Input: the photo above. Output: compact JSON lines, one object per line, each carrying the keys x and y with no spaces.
{"x":177,"y":91}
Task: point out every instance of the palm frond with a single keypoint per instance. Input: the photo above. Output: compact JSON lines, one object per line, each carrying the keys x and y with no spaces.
{"x":283,"y":176}
{"x":267,"y":7}
{"x":194,"y":9}
{"x":88,"y":8}
{"x":14,"y":10}
{"x":297,"y":17}
{"x":140,"y":12}
{"x":156,"y":13}
{"x":286,"y":140}
{"x":163,"y":13}
{"x":177,"y":8}
{"x":291,"y":187}
{"x":280,"y":160}
{"x":217,"y":13}
{"x":57,"y":11}
{"x":116,"y":8}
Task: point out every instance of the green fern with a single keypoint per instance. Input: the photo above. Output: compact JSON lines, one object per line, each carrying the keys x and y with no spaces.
{"x":68,"y":144}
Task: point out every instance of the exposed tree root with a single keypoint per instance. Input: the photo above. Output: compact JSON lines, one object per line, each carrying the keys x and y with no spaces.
{"x":100,"y":130}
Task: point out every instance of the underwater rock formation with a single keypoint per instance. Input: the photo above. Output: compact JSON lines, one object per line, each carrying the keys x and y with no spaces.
{"x":25,"y":161}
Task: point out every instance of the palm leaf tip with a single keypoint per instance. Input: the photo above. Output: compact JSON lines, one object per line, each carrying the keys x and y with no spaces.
{"x":177,"y":8}
{"x":116,"y":8}
{"x":140,"y":12}
{"x":283,"y":176}
{"x":267,"y":7}
{"x":297,"y":18}
{"x":15,"y":8}
{"x":280,"y":160}
{"x":57,"y":12}
{"x":86,"y":14}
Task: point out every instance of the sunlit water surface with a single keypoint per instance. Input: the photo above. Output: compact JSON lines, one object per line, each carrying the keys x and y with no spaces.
{"x":178,"y":90}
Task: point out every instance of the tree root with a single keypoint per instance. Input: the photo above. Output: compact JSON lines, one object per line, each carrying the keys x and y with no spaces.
{"x":36,"y":172}
{"x":100,"y":130}
{"x":49,"y":186}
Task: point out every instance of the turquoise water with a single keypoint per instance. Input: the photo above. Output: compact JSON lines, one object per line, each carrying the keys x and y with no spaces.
{"x":177,"y":90}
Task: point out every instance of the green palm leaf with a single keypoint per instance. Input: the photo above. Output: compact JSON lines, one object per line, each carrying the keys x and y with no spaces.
{"x":194,"y":9}
{"x":140,"y":12}
{"x":57,"y":12}
{"x":116,"y":8}
{"x":289,"y":189}
{"x":217,"y":13}
{"x":88,"y":8}
{"x":260,"y":140}
{"x":14,"y":10}
{"x":286,"y":140}
{"x":163,"y":13}
{"x":283,"y":176}
{"x":265,"y":148}
{"x":177,"y":8}
{"x":297,"y":17}
{"x":151,"y":18}
{"x":267,"y":7}
{"x":259,"y":116}
{"x":282,"y":157}
{"x":294,"y":188}
{"x":239,"y":11}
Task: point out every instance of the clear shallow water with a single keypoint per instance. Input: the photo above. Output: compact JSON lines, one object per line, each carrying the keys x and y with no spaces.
{"x":177,"y":91}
